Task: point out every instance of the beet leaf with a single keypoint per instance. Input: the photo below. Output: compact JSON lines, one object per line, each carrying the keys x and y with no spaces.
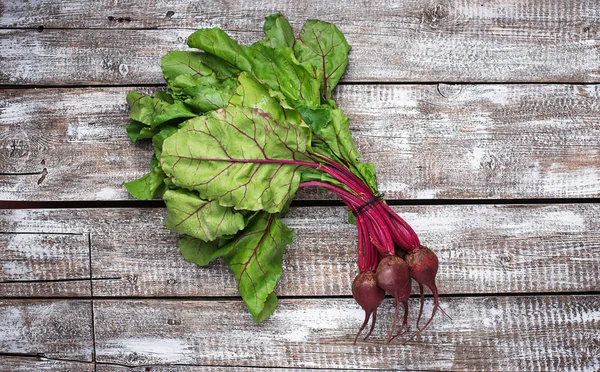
{"x":238,"y":156}
{"x":323,"y":46}
{"x":255,"y":259}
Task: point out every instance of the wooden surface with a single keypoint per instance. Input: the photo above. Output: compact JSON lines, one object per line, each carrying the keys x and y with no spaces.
{"x":483,"y":114}
{"x":417,"y":40}
{"x":506,"y":249}
{"x":426,"y":141}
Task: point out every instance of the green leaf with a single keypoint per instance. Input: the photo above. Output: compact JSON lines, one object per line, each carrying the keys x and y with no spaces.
{"x":205,"y":98}
{"x":217,"y":43}
{"x":188,"y":214}
{"x":255,"y":260}
{"x":238,"y":156}
{"x":200,"y":252}
{"x":268,"y":308}
{"x":178,"y":62}
{"x":338,"y":136}
{"x":278,"y":32}
{"x":366,"y":171}
{"x":153,"y":111}
{"x":250,"y":93}
{"x":277,"y":67}
{"x":331,"y":126}
{"x":160,"y":137}
{"x":137,"y":131}
{"x":324,"y":46}
{"x":282,"y":72}
{"x":145,"y":187}
{"x":177,"y":110}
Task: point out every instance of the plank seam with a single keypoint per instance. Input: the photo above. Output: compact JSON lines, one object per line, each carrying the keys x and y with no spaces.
{"x":344,"y":83}
{"x":92,"y":204}
{"x":42,"y":357}
{"x":238,"y":366}
{"x":341,"y":297}
{"x":92,"y":299}
{"x":54,"y":280}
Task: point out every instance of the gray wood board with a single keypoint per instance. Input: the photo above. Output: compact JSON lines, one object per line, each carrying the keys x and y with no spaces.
{"x":35,"y":364}
{"x":493,"y":333}
{"x":411,"y":41}
{"x":426,"y":141}
{"x":56,"y":329}
{"x":482,"y":249}
{"x":44,"y":264}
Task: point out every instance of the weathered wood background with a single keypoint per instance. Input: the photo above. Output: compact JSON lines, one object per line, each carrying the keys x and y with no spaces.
{"x":483,"y":116}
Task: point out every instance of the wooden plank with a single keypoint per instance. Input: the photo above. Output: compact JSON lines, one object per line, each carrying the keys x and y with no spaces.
{"x":249,"y":14}
{"x":44,"y":264}
{"x":417,"y":40}
{"x":482,"y":249}
{"x":426,"y":141}
{"x":55,"y":329}
{"x":28,"y":364}
{"x":493,"y":333}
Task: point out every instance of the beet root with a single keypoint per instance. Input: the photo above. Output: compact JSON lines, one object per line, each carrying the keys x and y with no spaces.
{"x":369,"y":296}
{"x":423,"y":268}
{"x":393,"y":276}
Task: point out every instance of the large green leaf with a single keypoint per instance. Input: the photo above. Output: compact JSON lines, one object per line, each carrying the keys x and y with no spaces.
{"x":277,"y":67}
{"x":255,"y":259}
{"x":324,"y":46}
{"x":137,"y":131}
{"x":252,"y":94}
{"x":238,"y":156}
{"x":188,"y":214}
{"x":153,"y":111}
{"x":331,"y":126}
{"x":148,"y":185}
{"x":177,"y":62}
{"x":201,"y":252}
{"x":278,"y":32}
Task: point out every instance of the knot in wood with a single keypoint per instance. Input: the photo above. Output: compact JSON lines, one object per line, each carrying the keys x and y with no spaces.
{"x":14,"y":146}
{"x":433,"y":16}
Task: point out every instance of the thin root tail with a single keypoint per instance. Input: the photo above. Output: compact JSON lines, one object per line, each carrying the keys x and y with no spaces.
{"x":367,"y":316}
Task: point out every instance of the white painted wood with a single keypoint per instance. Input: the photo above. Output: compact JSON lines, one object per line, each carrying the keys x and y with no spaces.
{"x":39,"y":264}
{"x":55,"y":329}
{"x":482,"y":249}
{"x":30,"y":364}
{"x":493,"y":333}
{"x":417,"y":40}
{"x":426,"y":141}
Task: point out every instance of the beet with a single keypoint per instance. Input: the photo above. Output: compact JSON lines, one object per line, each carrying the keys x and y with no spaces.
{"x":369,"y":296}
{"x":393,"y":276}
{"x":423,"y":265}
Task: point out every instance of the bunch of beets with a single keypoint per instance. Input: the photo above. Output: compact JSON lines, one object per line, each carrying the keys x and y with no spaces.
{"x":242,"y":128}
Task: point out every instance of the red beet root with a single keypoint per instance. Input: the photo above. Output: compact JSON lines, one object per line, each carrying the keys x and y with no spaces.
{"x":393,"y":276}
{"x":369,"y":296}
{"x":423,"y":268}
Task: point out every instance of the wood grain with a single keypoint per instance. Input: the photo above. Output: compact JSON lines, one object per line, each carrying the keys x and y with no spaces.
{"x":482,"y":249}
{"x":426,"y":141}
{"x":493,"y":333}
{"x":42,"y":264}
{"x":29,"y":364}
{"x":417,"y":40}
{"x":56,"y":329}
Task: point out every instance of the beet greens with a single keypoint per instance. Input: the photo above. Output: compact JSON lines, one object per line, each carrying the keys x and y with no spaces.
{"x":239,"y":131}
